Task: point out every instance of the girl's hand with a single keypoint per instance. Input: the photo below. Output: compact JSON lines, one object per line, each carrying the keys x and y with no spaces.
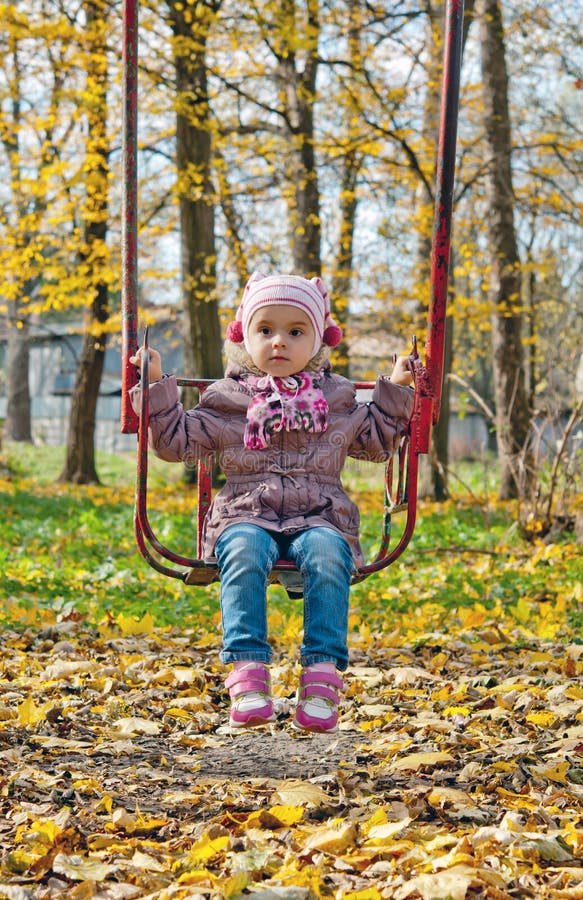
{"x":401,"y":373}
{"x":155,"y":363}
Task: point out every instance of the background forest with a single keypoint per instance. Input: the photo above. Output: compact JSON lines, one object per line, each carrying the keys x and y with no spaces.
{"x":300,"y":136}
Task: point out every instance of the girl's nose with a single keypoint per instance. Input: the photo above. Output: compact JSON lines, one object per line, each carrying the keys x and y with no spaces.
{"x":278,"y":340}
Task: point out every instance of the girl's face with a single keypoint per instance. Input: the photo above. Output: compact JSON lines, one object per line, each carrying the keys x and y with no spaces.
{"x":280,"y":340}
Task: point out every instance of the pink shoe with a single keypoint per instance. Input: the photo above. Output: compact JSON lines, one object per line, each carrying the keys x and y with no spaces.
{"x":249,"y":687}
{"x":318,"y":700}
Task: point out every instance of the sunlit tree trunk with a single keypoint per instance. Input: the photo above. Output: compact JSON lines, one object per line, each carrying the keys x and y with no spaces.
{"x":18,"y":420}
{"x":202,"y":333}
{"x":80,"y":465}
{"x":513,"y":417}
{"x":342,"y":278}
{"x":351,"y":164}
{"x":300,"y":92}
{"x":18,"y":416}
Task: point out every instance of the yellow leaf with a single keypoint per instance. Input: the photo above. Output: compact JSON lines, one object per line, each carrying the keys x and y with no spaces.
{"x":522,"y":611}
{"x":379,"y":817}
{"x":178,"y":713}
{"x":63,"y":669}
{"x":333,"y":840}
{"x":29,"y":713}
{"x":556,"y":773}
{"x":542,"y":717}
{"x":150,"y":823}
{"x":233,"y":886}
{"x":121,"y":818}
{"x":18,"y":862}
{"x":136,"y":725}
{"x":379,"y":833}
{"x":301,"y":793}
{"x":141,"y":860}
{"x":441,"y":795}
{"x":415,"y":761}
{"x":457,"y":711}
{"x":105,"y":804}
{"x":130,"y":625}
{"x":45,"y":830}
{"x":452,"y":883}
{"x":196,"y":876}
{"x":287,"y":815}
{"x":470,"y":618}
{"x":207,"y":847}
{"x":80,"y":868}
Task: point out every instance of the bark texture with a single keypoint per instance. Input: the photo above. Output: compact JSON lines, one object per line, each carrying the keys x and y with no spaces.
{"x":512,"y":410}
{"x":202,"y":333}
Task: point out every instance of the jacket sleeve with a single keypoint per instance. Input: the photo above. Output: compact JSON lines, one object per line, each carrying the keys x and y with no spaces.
{"x":379,"y":424}
{"x":176,"y":434}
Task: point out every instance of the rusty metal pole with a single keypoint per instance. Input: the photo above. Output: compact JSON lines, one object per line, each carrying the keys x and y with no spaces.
{"x":444,"y":183}
{"x":129,"y":226}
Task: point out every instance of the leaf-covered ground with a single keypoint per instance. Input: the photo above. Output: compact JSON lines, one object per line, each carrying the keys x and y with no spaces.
{"x":457,"y":772}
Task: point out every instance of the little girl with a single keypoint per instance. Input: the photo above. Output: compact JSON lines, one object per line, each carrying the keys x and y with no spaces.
{"x":283,"y":425}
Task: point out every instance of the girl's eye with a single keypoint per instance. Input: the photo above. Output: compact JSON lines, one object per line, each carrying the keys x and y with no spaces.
{"x":265,"y":330}
{"x":296,"y":332}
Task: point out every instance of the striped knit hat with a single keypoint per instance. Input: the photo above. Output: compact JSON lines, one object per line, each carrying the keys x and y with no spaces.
{"x":308,"y":295}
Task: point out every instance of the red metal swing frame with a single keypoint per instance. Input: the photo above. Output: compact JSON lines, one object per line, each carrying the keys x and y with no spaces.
{"x":401,"y":479}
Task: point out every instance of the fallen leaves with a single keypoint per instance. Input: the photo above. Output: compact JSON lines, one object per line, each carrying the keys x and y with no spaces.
{"x":457,"y":773}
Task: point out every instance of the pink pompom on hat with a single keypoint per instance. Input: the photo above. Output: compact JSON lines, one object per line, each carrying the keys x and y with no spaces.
{"x":309,"y":295}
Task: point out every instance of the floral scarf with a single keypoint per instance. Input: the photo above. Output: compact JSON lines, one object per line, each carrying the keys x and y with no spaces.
{"x":294,"y":403}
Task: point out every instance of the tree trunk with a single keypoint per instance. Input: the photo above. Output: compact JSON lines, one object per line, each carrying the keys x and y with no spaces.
{"x":202,"y":332}
{"x":80,"y":465}
{"x":300,"y":90}
{"x":440,"y":443}
{"x":342,"y":280}
{"x":80,"y":458}
{"x":18,"y":425}
{"x":348,"y":201}
{"x":513,"y":416}
{"x":18,"y":420}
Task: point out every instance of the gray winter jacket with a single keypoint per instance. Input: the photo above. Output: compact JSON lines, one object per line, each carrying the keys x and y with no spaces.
{"x":294,"y":484}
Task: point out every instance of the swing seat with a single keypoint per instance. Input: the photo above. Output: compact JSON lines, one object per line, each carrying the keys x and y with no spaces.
{"x":400,"y":492}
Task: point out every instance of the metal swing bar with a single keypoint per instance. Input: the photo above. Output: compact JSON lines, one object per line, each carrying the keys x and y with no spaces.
{"x":428,"y":376}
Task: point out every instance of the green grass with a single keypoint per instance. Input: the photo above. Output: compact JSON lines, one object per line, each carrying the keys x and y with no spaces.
{"x":71,"y":548}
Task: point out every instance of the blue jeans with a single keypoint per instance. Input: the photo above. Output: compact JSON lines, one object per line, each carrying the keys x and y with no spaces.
{"x":247,"y":554}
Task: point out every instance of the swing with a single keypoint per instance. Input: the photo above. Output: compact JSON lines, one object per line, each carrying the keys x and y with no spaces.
{"x":401,"y":473}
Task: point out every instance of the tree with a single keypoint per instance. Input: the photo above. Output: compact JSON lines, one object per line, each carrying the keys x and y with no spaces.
{"x":202,"y":336}
{"x":350,"y":167}
{"x":18,"y":426}
{"x":38,"y":131}
{"x":17,"y":289}
{"x":512,"y":411}
{"x":298,"y":86}
{"x":93,"y":257}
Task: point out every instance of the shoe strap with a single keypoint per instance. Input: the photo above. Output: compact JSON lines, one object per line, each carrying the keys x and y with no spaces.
{"x":319,"y":690}
{"x":317,"y":676}
{"x":244,"y":681}
{"x":249,"y":686}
